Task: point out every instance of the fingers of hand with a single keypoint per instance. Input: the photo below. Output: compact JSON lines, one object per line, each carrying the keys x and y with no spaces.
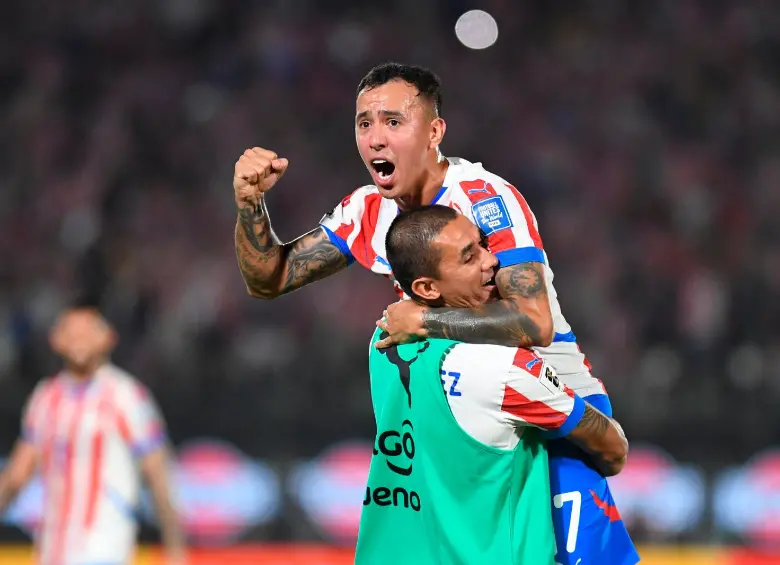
{"x":280,"y":165}
{"x":258,"y":163}
{"x":384,"y":343}
{"x":260,"y":153}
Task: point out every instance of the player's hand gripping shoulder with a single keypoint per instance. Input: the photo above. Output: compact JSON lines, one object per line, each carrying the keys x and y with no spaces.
{"x":403,"y":322}
{"x":603,"y":439}
{"x":271,"y":268}
{"x":522,"y":318}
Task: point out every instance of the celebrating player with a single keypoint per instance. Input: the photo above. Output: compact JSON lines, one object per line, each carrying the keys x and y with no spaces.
{"x":461,"y":477}
{"x":398,"y":129}
{"x":87,"y":430}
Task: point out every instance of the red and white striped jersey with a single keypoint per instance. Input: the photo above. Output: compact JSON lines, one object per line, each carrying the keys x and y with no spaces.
{"x":359,"y":225}
{"x":90,"y":436}
{"x":496,"y":392}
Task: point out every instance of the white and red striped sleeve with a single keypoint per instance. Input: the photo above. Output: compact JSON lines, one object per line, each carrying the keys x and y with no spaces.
{"x":351,"y":225}
{"x":36,"y":410}
{"x":503,"y":215}
{"x":140,"y":423}
{"x":534,"y":396}
{"x":494,"y":392}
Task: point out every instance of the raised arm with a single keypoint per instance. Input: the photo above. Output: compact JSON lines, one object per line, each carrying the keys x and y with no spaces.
{"x":521,"y":318}
{"x":269,"y":267}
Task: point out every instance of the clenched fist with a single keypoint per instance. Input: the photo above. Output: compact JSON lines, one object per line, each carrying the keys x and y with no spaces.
{"x":257,"y":170}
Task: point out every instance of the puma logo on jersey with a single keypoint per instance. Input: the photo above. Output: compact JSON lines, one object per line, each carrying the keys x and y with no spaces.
{"x":404,"y":367}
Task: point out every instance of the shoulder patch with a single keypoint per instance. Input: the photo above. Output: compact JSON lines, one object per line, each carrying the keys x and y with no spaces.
{"x":491,"y":215}
{"x":550,"y":380}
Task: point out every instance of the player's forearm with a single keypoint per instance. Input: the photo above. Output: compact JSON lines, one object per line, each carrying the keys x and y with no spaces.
{"x":171,"y":531}
{"x":17,"y":472}
{"x":499,"y":323}
{"x":172,"y":535}
{"x":271,"y":268}
{"x":603,"y":439}
{"x":616,"y":455}
{"x":259,"y":252}
{"x":8,"y":492}
{"x":609,"y":465}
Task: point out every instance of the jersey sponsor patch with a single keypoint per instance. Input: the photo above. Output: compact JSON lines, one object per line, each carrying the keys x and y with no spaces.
{"x":491,"y":215}
{"x":550,"y":380}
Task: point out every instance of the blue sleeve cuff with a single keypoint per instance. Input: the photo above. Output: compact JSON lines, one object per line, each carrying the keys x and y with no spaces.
{"x":339,"y":242}
{"x":577,"y":411}
{"x":517,"y":255}
{"x":600,"y":402}
{"x":146,"y":447}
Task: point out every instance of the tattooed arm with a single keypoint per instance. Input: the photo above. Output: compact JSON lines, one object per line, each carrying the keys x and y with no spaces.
{"x":271,"y":268}
{"x":521,"y":319}
{"x":603,"y":439}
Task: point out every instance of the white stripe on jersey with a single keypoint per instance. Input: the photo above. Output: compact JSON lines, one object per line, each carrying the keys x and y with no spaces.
{"x":482,"y":384}
{"x":85,"y":434}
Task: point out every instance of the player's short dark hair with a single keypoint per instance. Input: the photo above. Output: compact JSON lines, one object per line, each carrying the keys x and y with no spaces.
{"x":409,"y":244}
{"x":424,"y":80}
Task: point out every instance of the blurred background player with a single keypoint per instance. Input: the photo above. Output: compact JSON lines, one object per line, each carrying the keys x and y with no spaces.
{"x":92,"y":430}
{"x":398,"y":130}
{"x":472,"y":457}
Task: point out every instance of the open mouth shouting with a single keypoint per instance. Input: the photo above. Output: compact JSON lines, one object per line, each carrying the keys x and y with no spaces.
{"x":384,"y":172}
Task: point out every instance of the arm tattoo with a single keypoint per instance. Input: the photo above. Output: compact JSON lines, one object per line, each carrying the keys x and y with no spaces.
{"x":257,"y":250}
{"x":310,"y":258}
{"x":271,"y":268}
{"x":257,"y":229}
{"x":501,"y":323}
{"x":523,"y":279}
{"x":593,"y":422}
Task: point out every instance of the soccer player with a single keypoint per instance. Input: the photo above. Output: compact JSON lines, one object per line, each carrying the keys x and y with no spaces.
{"x":398,"y":129}
{"x":462,"y":477}
{"x":90,"y":430}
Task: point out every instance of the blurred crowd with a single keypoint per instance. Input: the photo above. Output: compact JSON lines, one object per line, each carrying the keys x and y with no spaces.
{"x":643,"y":135}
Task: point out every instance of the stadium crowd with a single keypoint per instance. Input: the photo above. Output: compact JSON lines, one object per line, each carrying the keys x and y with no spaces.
{"x":643,"y":135}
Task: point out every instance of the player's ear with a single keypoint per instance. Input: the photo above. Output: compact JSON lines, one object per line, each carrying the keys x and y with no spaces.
{"x":426,"y":288}
{"x":438,"y":128}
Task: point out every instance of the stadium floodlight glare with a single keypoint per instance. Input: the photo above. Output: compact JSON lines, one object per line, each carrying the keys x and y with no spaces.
{"x":476,"y":29}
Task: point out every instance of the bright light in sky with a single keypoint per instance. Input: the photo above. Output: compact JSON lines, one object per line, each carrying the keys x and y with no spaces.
{"x":476,"y":29}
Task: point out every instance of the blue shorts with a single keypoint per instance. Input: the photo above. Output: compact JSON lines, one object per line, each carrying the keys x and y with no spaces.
{"x":588,"y":527}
